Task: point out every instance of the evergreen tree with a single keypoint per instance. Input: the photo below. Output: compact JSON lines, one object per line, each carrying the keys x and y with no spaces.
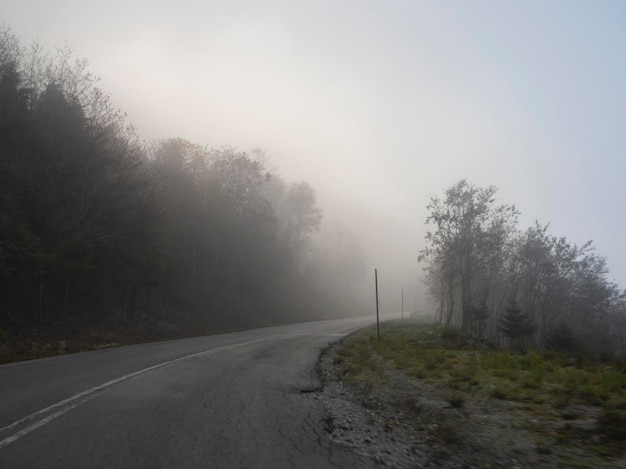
{"x":516,"y":325}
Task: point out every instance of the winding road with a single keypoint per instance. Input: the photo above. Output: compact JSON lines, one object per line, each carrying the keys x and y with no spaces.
{"x":240,"y":400}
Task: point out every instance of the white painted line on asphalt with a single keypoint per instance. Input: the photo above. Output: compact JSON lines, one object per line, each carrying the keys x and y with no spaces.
{"x":39,"y":423}
{"x":70,"y":403}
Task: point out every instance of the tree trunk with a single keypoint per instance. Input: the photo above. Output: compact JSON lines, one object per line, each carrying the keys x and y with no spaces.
{"x":40,"y":301}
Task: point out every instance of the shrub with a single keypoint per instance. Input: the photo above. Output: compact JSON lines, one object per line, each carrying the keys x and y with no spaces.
{"x":500,"y":393}
{"x":4,"y":337}
{"x":563,"y":339}
{"x":456,"y":400}
{"x":451,"y":333}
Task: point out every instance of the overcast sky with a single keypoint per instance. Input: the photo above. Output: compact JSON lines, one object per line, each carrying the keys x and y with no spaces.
{"x":380,"y":104}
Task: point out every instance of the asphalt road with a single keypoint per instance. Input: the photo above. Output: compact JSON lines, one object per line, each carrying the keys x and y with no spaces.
{"x":238,"y":400}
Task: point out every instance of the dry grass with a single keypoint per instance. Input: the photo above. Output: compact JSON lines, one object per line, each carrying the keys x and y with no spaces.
{"x":581,"y":401}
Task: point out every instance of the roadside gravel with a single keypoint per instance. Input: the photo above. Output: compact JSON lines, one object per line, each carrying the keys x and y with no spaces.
{"x":406,"y":424}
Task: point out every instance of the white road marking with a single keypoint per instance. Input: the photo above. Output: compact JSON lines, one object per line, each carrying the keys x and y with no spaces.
{"x":68,"y":404}
{"x":71,"y":402}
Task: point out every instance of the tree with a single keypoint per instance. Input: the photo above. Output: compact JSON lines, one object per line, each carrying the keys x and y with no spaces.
{"x":297,"y":214}
{"x":180,"y":170}
{"x":238,"y":182}
{"x":480,"y":314}
{"x":477,"y":262}
{"x":14,"y":135}
{"x":516,"y":325}
{"x":93,"y":226}
{"x":465,"y":250}
{"x":77,"y":200}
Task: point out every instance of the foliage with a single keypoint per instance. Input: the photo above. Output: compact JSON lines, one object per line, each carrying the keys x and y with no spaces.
{"x":99,"y":229}
{"x":77,"y":200}
{"x":561,"y":338}
{"x":476,"y":260}
{"x":515,"y":325}
{"x":451,"y":333}
{"x":4,"y":337}
{"x":464,"y":252}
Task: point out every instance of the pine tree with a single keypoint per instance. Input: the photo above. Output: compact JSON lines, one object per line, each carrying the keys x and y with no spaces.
{"x":515,"y":324}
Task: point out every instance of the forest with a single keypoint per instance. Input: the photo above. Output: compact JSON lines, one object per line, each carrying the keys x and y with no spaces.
{"x":100,"y":230}
{"x":518,"y":288}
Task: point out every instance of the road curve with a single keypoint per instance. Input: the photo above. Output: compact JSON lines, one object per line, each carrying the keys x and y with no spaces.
{"x":238,"y":400}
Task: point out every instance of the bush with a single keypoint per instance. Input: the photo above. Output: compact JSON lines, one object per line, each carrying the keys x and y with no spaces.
{"x":62,"y":346}
{"x":4,"y":337}
{"x":563,"y":339}
{"x":456,"y":400}
{"x":451,"y":333}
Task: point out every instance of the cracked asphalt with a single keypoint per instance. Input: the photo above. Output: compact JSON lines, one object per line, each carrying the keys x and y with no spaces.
{"x":242,"y":400}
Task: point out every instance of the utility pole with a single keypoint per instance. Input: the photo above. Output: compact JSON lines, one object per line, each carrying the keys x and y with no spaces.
{"x":377,"y":320}
{"x":403,"y":305}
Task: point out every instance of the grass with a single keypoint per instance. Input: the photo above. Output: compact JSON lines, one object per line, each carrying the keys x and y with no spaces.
{"x":547,"y":385}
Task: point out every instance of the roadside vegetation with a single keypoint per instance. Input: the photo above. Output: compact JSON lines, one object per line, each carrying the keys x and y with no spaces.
{"x":518,"y":288}
{"x":570,"y":406}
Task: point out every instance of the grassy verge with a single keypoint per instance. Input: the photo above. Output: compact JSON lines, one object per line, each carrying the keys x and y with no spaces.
{"x":567,"y":403}
{"x":25,"y":343}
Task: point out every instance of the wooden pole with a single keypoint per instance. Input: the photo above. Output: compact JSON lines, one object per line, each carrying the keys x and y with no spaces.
{"x":403,"y":305}
{"x":377,"y":320}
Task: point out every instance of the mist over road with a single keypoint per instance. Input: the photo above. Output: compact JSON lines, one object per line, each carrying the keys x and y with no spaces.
{"x":225,"y":401}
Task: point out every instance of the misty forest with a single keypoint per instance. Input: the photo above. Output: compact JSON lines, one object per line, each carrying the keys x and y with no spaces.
{"x":100,"y":230}
{"x":519,"y":288}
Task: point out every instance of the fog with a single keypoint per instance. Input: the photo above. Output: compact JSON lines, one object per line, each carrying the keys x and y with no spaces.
{"x":379,"y":105}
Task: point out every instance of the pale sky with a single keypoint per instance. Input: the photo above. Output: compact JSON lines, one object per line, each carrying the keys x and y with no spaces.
{"x":380,"y":104}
